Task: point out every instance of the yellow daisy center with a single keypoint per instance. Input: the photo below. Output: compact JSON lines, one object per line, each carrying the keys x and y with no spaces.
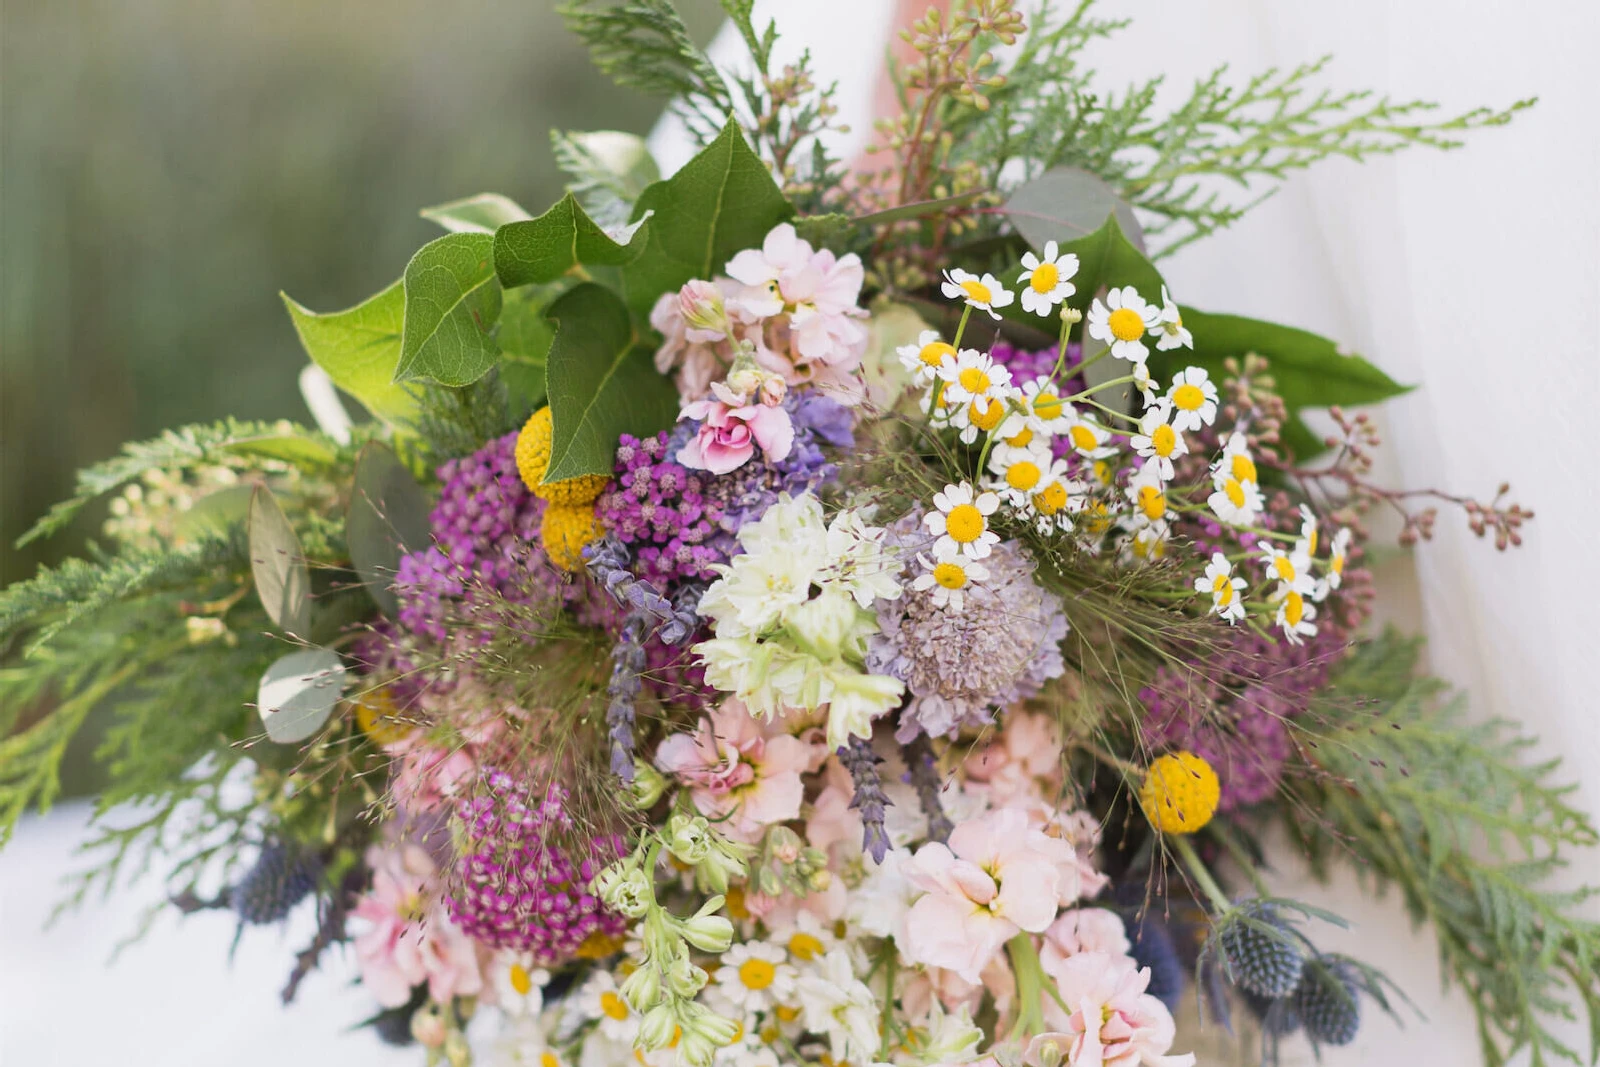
{"x":1083,"y":437}
{"x":1051,"y":499}
{"x":973,"y":379}
{"x":1222,"y":586}
{"x":1235,"y":492}
{"x":1126,"y":324}
{"x":1188,"y":397}
{"x":757,"y":973}
{"x":804,"y":946}
{"x":1022,"y":438}
{"x":951,"y":576}
{"x":1099,"y":517}
{"x":976,"y":291}
{"x":521,"y":980}
{"x":933,"y":354}
{"x":1294,"y":609}
{"x":1045,"y":278}
{"x":1244,"y":468}
{"x":1047,"y":406}
{"x":1336,"y":563}
{"x":787,"y":1014}
{"x":1023,"y":475}
{"x":1102,"y":472}
{"x":613,"y":1006}
{"x":988,"y":418}
{"x":1152,"y":501}
{"x":548,"y":1059}
{"x":964,"y":523}
{"x":1311,"y":542}
{"x":1164,"y":440}
{"x":1284,"y":568}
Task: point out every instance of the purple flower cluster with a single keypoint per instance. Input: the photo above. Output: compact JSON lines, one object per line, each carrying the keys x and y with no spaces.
{"x":524,"y":873}
{"x":484,"y":529}
{"x":678,"y":522}
{"x":1233,"y":708}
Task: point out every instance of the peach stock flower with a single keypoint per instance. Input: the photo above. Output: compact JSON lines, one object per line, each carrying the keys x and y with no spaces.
{"x":1113,"y":1022}
{"x":736,"y":770}
{"x":409,"y":938}
{"x":731,"y":429}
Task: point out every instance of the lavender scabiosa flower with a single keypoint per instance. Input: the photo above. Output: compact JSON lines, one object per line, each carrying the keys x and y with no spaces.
{"x":523,"y":877}
{"x":870,"y":800}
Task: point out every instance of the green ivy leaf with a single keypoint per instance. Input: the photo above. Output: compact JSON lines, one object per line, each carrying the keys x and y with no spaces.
{"x":359,"y":348}
{"x":1067,"y":204}
{"x":452,"y":301}
{"x":484,"y":213}
{"x":525,"y":336}
{"x":722,"y":201}
{"x":563,"y":238}
{"x":278,"y":564}
{"x":1310,"y":371}
{"x":602,"y":383}
{"x":298,"y":693}
{"x":387,"y":518}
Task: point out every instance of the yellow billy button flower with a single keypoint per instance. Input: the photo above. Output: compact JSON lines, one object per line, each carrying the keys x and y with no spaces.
{"x":1180,"y":793}
{"x":533,"y":459}
{"x":564,"y":532}
{"x":378,"y":717}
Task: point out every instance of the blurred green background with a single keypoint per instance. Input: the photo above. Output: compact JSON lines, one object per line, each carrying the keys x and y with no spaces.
{"x":167,"y":166}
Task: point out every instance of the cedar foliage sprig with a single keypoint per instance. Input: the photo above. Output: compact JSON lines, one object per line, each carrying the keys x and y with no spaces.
{"x":1470,"y":833}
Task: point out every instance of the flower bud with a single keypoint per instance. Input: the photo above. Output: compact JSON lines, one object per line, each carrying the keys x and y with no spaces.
{"x":684,"y":979}
{"x":707,"y":931}
{"x":820,"y":880}
{"x":648,"y":785}
{"x":658,"y":1027}
{"x":769,"y":882}
{"x":773,"y":390}
{"x":696,"y":1050}
{"x":428,"y":1027}
{"x":1070,"y":314}
{"x":629,"y":893}
{"x":745,"y":380}
{"x":784,"y":844}
{"x":700,"y":303}
{"x":642,"y":988}
{"x":688,"y":837}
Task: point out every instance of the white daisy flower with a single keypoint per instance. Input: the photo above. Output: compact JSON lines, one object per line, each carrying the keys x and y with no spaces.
{"x":1291,"y":570}
{"x":1148,"y":543}
{"x":1088,"y":438}
{"x":1094,"y":520}
{"x":1338,"y":553}
{"x":839,"y":1005}
{"x":923,"y":359}
{"x":1122,"y":322}
{"x":1235,"y":462}
{"x":1043,"y":408}
{"x":518,"y":983}
{"x":1019,"y":472}
{"x":948,"y":579}
{"x":1045,"y":280}
{"x":1235,"y":502}
{"x":1308,"y":531}
{"x":973,"y":376}
{"x":756,"y":976}
{"x":962,"y":522}
{"x":1169,"y":324}
{"x":1158,"y":442}
{"x":1194,"y":396}
{"x":1227,"y":598}
{"x":1149,"y":496}
{"x":805,"y":937}
{"x":1057,"y":499}
{"x":602,"y":1000}
{"x":988,"y":415}
{"x":1295,"y":615}
{"x":1143,"y":384}
{"x":985,"y":293}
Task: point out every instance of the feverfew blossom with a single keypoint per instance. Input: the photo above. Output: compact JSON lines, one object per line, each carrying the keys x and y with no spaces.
{"x":1169,"y":324}
{"x":1159,"y":442}
{"x":1223,"y":587}
{"x":923,"y":359}
{"x":946,"y":580}
{"x":1045,"y":281}
{"x":1338,"y":553}
{"x":961,"y":522}
{"x":1235,"y":502}
{"x":1020,"y":472}
{"x":837,"y":1004}
{"x":755,"y":976}
{"x":1193,"y":397}
{"x":1043,"y":409}
{"x":985,"y":293}
{"x":1088,"y":438}
{"x":1122,"y":321}
{"x":1294,"y":615}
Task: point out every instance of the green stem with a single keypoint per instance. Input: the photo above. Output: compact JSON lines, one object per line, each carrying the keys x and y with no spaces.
{"x":1179,"y":843}
{"x":961,"y":327}
{"x":1242,"y":858}
{"x":1030,"y":985}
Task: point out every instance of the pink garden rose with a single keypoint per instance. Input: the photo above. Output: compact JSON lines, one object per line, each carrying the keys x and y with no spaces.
{"x":732,"y":429}
{"x":409,"y":937}
{"x":1111,"y":1021}
{"x":737,"y":771}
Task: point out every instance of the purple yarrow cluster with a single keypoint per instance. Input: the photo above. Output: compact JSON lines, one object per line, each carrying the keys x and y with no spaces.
{"x":1233,"y":709}
{"x":524,"y":873}
{"x":679,"y":522}
{"x":484,"y":528}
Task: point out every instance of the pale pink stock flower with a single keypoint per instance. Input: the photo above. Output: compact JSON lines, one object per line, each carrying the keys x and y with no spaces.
{"x":737,"y":771}
{"x":1078,"y":930}
{"x":729,"y":434}
{"x":697,"y":363}
{"x":818,"y":289}
{"x":705,"y":318}
{"x":954,"y":993}
{"x":1112,"y":1022}
{"x":1027,"y":750}
{"x":410,"y":938}
{"x":997,"y":876}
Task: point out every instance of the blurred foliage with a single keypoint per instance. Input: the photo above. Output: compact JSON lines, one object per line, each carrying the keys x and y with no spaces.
{"x":171,"y":165}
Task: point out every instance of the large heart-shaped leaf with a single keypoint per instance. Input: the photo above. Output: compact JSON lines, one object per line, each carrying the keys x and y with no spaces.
{"x":602,"y":383}
{"x":1310,"y":371}
{"x":387,"y":518}
{"x":278,"y":564}
{"x":452,"y":301}
{"x":359,"y":348}
{"x":723,"y":201}
{"x":298,"y":693}
{"x":545,"y":248}
{"x":484,"y":213}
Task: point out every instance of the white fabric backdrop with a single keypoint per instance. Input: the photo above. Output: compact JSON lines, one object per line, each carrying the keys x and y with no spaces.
{"x":1476,"y":272}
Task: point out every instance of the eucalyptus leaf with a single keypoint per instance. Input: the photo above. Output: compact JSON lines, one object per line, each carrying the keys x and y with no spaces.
{"x":452,"y":302}
{"x":296,"y":446}
{"x":359,"y":348}
{"x":602,"y":383}
{"x":557,"y":242}
{"x":721,"y":201}
{"x":278,"y":564}
{"x":484,"y":213}
{"x":298,"y":693}
{"x":387,"y":518}
{"x":1067,"y":204}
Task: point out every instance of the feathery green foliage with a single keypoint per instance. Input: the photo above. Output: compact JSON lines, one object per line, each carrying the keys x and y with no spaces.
{"x":1450,"y":813}
{"x":455,"y":421}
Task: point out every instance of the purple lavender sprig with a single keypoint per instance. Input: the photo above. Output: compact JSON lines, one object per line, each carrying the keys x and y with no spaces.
{"x":622,"y":693}
{"x":924,"y":778}
{"x":870,"y":800}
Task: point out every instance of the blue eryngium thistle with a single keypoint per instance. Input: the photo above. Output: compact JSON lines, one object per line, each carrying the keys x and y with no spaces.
{"x":1327,"y":1001}
{"x":862,"y":763}
{"x":282,"y":877}
{"x":1260,"y":952}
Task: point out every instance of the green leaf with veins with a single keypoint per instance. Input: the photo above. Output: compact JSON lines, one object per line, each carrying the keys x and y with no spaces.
{"x":561,"y":241}
{"x":452,"y":301}
{"x":602,"y":383}
{"x":359,"y":348}
{"x":524,"y":337}
{"x":484,"y":213}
